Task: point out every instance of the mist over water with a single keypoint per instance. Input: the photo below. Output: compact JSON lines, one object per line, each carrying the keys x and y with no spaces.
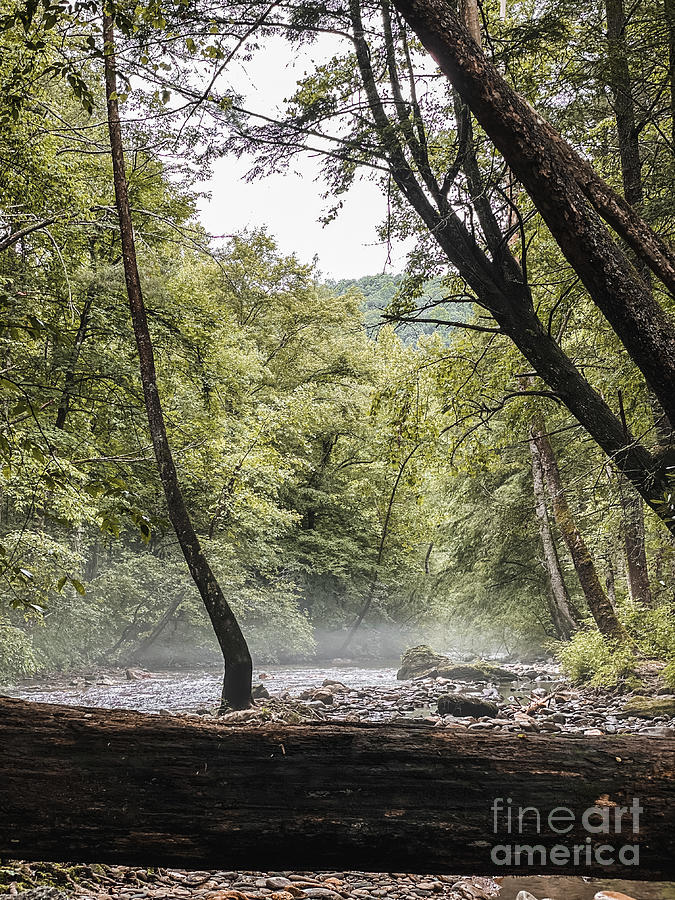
{"x":377,"y":644}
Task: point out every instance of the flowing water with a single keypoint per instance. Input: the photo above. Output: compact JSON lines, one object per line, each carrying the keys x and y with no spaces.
{"x":190,"y":691}
{"x":185,"y":691}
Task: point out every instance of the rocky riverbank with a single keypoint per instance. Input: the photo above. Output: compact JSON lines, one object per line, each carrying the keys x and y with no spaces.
{"x":511,"y":698}
{"x":534,"y":699}
{"x":51,"y":882}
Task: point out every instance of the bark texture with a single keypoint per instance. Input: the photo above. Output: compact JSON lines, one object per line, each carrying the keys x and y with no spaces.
{"x":121,"y":787}
{"x":637,"y":571}
{"x":237,"y":659}
{"x":598,"y":603}
{"x":624,"y":108}
{"x":562,"y":614}
{"x":669,"y":11}
{"x":559,"y":183}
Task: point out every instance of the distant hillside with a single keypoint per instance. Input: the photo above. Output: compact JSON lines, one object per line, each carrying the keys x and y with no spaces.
{"x":379,"y":291}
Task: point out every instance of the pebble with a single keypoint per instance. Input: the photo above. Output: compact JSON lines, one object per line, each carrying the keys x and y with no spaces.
{"x":278,"y":883}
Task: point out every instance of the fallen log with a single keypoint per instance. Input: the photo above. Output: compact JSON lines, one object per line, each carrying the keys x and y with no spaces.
{"x":92,"y":785}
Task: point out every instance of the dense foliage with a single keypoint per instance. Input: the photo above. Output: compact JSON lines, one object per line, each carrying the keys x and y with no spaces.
{"x":342,"y":452}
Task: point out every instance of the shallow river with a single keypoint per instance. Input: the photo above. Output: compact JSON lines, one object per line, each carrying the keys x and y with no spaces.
{"x":186,"y":691}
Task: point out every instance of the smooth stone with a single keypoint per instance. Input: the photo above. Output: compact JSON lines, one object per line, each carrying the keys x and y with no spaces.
{"x":464,"y":705}
{"x":277,"y":883}
{"x":659,"y":731}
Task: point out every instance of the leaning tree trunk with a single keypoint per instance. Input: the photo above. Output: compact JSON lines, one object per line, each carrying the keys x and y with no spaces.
{"x":498,"y":281}
{"x":559,"y":184}
{"x":598,"y":603}
{"x":112,"y":786}
{"x":146,"y":643}
{"x":237,"y":658}
{"x":563,"y":615}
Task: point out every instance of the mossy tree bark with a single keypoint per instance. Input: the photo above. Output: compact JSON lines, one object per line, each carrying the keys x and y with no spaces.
{"x":563,"y":614}
{"x":598,"y":602}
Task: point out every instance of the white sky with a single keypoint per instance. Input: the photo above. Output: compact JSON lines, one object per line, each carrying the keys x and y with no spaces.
{"x":290,"y":205}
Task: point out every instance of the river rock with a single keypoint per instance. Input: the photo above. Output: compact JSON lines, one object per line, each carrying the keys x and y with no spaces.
{"x":277,"y":883}
{"x":464,"y":705}
{"x":260,"y":692}
{"x":658,"y":731}
{"x":480,"y":671}
{"x":136,"y":674}
{"x":41,"y":893}
{"x":335,"y":687}
{"x":421,"y":662}
{"x":323,"y":696}
{"x":649,"y":707}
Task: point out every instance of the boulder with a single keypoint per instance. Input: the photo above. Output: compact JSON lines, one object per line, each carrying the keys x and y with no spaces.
{"x":421,"y":662}
{"x":480,"y":671}
{"x":649,"y":707}
{"x":335,"y":687}
{"x":136,"y":674}
{"x":318,"y":695}
{"x":465,"y":705}
{"x":323,"y":696}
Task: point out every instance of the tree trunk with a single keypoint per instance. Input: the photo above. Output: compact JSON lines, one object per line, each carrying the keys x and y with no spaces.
{"x":502,"y":288}
{"x":631,"y":173}
{"x":237,"y":659}
{"x":471,"y":17}
{"x":144,"y":645}
{"x":624,"y":109}
{"x":69,"y":380}
{"x":558,"y":183}
{"x":380,"y":553}
{"x":598,"y":603}
{"x":669,"y":10}
{"x":113,"y":786}
{"x":562,"y":615}
{"x":637,"y":571}
{"x":610,"y":581}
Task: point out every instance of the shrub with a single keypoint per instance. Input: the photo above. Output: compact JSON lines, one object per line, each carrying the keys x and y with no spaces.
{"x":591,"y":658}
{"x":17,"y":657}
